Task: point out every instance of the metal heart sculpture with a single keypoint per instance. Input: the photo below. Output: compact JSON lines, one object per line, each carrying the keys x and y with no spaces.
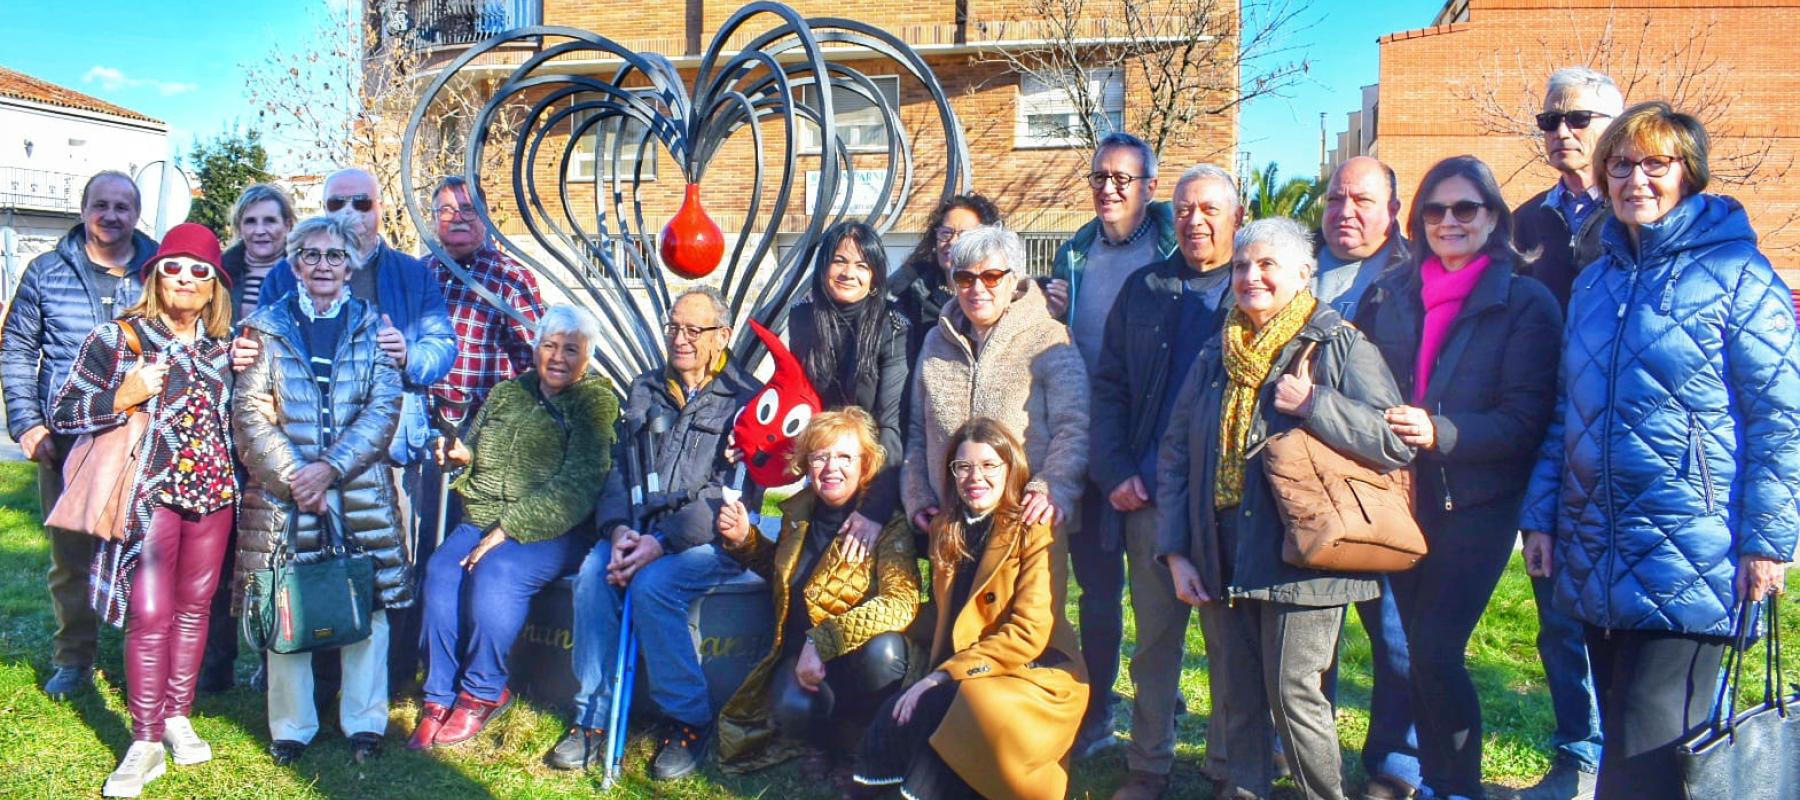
{"x":646,"y":107}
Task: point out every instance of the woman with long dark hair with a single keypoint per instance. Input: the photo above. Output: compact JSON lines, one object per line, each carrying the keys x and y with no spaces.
{"x":852,"y":343}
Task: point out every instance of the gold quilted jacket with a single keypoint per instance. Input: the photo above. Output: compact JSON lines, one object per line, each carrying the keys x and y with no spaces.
{"x":848,"y":604}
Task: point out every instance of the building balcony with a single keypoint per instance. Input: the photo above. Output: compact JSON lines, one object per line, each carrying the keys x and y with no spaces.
{"x":40,"y":190}
{"x":452,"y":23}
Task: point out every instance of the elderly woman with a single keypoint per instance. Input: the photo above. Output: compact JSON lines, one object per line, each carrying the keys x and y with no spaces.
{"x":1664,"y":492}
{"x":536,"y":451}
{"x":999,"y":354}
{"x":313,"y":415}
{"x":261,"y":218}
{"x":839,"y":649}
{"x":1271,"y":627}
{"x":167,"y":356}
{"x":996,"y":716}
{"x":1465,"y":338}
{"x":921,"y":288}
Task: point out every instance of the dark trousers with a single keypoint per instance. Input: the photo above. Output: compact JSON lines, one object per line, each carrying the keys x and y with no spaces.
{"x":1562,"y":647}
{"x":1100,"y":613}
{"x":71,"y":556}
{"x":1391,"y":747}
{"x":1656,"y":690}
{"x":165,"y":626}
{"x":472,"y":617}
{"x":417,"y":485}
{"x":855,"y":683}
{"x":1440,"y":601}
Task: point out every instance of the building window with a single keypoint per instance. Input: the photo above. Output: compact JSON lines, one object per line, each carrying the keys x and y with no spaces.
{"x":1048,"y":117}
{"x":630,"y":254}
{"x":860,"y":123}
{"x":597,"y":145}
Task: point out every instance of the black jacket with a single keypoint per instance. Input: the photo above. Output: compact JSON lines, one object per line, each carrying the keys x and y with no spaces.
{"x":920,"y":294}
{"x":1352,"y":390}
{"x":1538,"y":225}
{"x":881,"y":393}
{"x":1132,"y":378}
{"x":1492,"y":389}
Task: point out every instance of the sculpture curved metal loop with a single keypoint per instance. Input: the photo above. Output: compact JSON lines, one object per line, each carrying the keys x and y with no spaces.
{"x":645,"y":106}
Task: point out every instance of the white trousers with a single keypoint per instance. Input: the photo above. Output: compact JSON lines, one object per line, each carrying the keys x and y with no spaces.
{"x":362,"y":703}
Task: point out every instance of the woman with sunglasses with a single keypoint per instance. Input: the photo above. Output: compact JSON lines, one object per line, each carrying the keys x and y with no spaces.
{"x":921,"y":286}
{"x":997,"y":714}
{"x":1663,"y":496}
{"x":314,"y":413}
{"x":1467,"y":339}
{"x":998,"y":353}
{"x":167,"y":356}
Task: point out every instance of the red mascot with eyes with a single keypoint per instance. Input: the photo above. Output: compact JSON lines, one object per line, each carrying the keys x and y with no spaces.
{"x":765,"y":429}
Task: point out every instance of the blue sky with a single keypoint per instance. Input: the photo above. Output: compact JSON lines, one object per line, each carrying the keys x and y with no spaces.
{"x":181,"y":62}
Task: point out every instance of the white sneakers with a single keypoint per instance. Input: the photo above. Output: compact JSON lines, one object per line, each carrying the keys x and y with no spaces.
{"x":185,"y":746}
{"x":142,"y":764}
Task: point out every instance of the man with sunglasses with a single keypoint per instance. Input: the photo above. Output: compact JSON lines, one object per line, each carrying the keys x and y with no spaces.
{"x":416,"y":333}
{"x":89,"y":278}
{"x":1563,"y":224}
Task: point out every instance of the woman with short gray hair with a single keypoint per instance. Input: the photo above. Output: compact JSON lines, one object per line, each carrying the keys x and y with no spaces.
{"x":1271,"y":627}
{"x":260,"y":219}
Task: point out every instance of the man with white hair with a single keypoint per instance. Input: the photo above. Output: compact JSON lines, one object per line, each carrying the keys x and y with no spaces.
{"x":1563,"y":225}
{"x":1164,"y":313}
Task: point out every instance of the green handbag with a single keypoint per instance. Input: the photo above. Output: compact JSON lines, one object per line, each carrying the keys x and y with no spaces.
{"x":321,"y":600}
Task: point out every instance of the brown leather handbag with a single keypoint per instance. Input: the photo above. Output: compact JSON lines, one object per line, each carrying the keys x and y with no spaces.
{"x":100,"y":470}
{"x":1340,"y":514}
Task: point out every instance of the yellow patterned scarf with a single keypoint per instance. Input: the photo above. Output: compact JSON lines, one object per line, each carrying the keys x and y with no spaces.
{"x":1249,"y":355}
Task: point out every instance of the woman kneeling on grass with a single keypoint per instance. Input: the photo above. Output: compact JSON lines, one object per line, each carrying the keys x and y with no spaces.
{"x":997,"y":716}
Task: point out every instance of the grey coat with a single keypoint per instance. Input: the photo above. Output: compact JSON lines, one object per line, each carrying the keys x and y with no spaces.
{"x":365,"y":400}
{"x":1352,"y":390}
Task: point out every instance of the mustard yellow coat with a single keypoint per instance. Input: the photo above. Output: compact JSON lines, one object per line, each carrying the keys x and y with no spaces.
{"x":848,"y":604}
{"x":1009,"y":731}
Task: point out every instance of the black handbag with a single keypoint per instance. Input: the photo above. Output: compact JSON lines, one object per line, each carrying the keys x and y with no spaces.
{"x":321,"y":600}
{"x":1753,"y":755}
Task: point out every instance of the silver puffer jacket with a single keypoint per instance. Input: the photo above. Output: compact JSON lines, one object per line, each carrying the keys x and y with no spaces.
{"x":365,"y":403}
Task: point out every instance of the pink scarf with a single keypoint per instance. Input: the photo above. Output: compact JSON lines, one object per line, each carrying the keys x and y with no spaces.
{"x":1443,"y":292}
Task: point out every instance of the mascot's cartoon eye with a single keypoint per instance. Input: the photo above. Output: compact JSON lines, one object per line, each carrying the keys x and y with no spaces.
{"x":796,"y":419}
{"x":766,"y":406}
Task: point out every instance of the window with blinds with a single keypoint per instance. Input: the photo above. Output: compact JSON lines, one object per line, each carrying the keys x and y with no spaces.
{"x":859,"y":120}
{"x":1048,"y":116}
{"x":595,"y":149}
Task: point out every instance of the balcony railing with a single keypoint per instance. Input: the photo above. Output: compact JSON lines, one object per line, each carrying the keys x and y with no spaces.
{"x":439,"y":23}
{"x":40,"y":190}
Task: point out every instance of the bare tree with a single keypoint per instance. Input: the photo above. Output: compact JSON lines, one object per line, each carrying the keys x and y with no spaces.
{"x":1180,"y":60}
{"x":342,"y":96}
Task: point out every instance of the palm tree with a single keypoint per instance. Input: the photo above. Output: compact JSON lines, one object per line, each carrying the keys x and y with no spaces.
{"x":1297,"y":198}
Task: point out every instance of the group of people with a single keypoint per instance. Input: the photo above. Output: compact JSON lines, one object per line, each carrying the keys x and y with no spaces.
{"x":1609,"y":370}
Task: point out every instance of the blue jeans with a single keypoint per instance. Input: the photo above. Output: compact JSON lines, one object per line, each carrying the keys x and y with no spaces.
{"x":1563,"y":649}
{"x":1392,"y":745}
{"x":471,"y":617}
{"x":661,"y":593}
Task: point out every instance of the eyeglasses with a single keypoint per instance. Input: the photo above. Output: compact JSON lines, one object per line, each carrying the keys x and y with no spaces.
{"x":963,"y":469}
{"x":1098,"y":180}
{"x":839,"y":460}
{"x":945,"y":233}
{"x":448,"y":213}
{"x":334,"y":257}
{"x":1464,"y":210}
{"x":990,"y":278}
{"x":1653,"y":166}
{"x":1549,"y":121}
{"x":676,"y":330}
{"x":200,"y":270}
{"x":360,"y":202}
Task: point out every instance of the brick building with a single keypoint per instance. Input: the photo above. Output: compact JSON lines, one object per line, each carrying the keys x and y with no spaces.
{"x":1035,"y":177}
{"x":1469,"y":82}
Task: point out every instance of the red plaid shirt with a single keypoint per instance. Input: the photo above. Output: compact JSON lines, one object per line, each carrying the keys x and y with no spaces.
{"x":490,"y":345}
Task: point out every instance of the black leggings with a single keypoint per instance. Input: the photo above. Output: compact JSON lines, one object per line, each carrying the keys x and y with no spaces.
{"x":855,"y":683}
{"x":1656,"y":690}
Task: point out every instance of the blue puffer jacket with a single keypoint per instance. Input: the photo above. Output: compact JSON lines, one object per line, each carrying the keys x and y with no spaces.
{"x":55,"y":308}
{"x":1675,"y":447}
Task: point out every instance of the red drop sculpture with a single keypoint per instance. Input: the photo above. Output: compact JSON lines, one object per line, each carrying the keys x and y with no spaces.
{"x":692,"y":244}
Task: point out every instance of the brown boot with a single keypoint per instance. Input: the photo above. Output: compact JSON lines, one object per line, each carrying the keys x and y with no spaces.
{"x":1142,"y":786}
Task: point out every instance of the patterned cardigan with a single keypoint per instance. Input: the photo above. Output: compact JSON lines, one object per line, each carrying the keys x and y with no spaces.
{"x":85,"y":405}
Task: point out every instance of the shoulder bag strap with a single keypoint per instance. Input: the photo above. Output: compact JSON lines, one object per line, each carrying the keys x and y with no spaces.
{"x":1306,"y":352}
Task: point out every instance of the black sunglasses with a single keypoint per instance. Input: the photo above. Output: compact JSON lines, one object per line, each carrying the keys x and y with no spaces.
{"x":360,"y":202}
{"x":1464,"y":210}
{"x":1549,"y":121}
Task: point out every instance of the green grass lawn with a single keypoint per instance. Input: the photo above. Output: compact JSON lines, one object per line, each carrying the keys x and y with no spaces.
{"x":53,"y":750}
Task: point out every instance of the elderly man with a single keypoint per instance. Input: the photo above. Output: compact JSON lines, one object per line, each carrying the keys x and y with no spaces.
{"x":677,"y":418}
{"x":1163,"y":314}
{"x":1360,"y":239}
{"x":1128,"y":232}
{"x":1563,"y":225}
{"x":89,"y":278}
{"x":417,"y":335}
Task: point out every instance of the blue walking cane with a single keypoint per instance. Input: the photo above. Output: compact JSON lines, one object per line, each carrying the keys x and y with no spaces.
{"x":624,"y":682}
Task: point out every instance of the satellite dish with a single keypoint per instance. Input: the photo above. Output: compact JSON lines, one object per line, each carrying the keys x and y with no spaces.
{"x":168,"y":197}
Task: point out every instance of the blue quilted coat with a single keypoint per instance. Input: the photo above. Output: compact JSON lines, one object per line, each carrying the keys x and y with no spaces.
{"x":1675,"y":447}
